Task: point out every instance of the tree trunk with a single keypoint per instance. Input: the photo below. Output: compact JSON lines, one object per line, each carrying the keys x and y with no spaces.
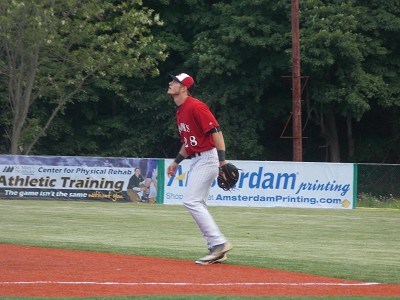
{"x":333,"y":138}
{"x":22,"y":65}
{"x":15,"y":137}
{"x":61,"y":102}
{"x":350,"y":138}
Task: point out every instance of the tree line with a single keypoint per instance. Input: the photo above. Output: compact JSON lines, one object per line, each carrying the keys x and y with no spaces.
{"x":89,"y":77}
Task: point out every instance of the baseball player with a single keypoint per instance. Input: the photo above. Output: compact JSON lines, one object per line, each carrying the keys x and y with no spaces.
{"x":203,"y":142}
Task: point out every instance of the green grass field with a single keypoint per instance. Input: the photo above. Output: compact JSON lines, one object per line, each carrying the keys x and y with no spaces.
{"x":361,"y":244}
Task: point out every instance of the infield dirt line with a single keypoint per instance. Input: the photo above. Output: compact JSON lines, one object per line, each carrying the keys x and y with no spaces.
{"x":28,"y":271}
{"x":190,"y":283}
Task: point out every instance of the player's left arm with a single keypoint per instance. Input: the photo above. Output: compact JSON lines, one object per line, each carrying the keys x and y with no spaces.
{"x":210,"y":125}
{"x":219,"y":142}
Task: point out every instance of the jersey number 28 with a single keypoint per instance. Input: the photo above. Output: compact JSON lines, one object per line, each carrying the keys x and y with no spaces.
{"x":192,"y":141}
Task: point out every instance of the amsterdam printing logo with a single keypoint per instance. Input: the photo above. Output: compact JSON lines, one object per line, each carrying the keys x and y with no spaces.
{"x":180,"y":177}
{"x":8,"y":169}
{"x":346,"y":203}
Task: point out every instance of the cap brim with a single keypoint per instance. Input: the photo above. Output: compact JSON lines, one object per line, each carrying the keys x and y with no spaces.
{"x":174,"y":78}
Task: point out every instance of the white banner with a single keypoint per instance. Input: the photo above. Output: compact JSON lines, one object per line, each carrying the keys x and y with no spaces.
{"x":270,"y":184}
{"x":82,"y":178}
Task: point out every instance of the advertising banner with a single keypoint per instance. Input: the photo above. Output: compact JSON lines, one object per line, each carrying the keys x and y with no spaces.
{"x":78,"y":178}
{"x":271,"y":184}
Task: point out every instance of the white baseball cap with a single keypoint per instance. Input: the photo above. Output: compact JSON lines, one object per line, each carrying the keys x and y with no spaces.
{"x":184,"y":79}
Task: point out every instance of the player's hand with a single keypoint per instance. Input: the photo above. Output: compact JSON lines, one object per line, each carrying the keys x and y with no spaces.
{"x":221,"y":163}
{"x":171,"y":170}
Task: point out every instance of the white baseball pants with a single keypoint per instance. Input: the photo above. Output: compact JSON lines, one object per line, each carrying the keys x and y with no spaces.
{"x":203,"y":170}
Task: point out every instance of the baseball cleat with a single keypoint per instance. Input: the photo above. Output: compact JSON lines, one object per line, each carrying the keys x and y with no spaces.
{"x":202,"y":261}
{"x":217,"y":254}
{"x":222,"y":259}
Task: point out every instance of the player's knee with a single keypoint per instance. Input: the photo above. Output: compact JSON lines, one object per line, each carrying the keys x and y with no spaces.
{"x":188,"y":203}
{"x":193,"y":204}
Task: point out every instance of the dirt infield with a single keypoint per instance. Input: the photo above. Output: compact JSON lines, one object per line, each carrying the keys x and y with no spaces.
{"x":41,"y":272}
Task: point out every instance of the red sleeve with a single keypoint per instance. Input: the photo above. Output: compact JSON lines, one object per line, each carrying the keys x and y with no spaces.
{"x":205,"y":118}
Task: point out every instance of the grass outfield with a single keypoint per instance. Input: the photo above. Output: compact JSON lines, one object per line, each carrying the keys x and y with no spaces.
{"x":361,"y":244}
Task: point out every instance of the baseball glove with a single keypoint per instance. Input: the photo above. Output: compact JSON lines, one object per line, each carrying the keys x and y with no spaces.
{"x":228,"y":176}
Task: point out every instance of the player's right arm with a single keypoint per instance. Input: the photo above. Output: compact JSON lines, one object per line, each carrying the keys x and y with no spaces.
{"x":171,"y":170}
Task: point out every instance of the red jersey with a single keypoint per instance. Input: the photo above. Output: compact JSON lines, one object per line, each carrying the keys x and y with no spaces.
{"x":194,"y":120}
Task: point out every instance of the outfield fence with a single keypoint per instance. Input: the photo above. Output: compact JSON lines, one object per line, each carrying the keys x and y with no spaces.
{"x":262,"y":183}
{"x":378,"y":181}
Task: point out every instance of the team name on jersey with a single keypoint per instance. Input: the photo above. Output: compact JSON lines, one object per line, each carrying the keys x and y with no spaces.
{"x":183,"y":127}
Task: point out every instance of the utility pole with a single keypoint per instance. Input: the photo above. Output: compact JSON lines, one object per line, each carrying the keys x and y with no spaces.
{"x":296,"y":84}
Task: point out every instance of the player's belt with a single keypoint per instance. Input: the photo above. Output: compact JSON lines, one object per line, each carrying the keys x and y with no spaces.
{"x":204,"y":153}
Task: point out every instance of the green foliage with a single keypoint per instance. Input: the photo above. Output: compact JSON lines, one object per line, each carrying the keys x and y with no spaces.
{"x":237,"y":54}
{"x":371,"y":201}
{"x":77,"y":41}
{"x":335,"y":47}
{"x":240,"y":55}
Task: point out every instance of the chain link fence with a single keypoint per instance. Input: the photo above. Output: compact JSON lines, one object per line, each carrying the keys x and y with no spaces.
{"x":378,"y":182}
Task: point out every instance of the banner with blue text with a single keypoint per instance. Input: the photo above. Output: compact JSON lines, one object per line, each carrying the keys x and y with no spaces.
{"x":78,"y":178}
{"x":270,"y":184}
